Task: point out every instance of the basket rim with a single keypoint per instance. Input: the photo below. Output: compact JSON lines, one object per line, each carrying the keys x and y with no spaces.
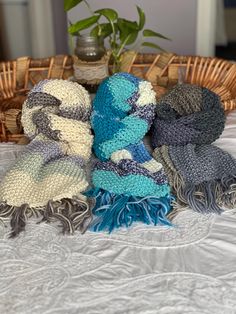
{"x":18,"y":76}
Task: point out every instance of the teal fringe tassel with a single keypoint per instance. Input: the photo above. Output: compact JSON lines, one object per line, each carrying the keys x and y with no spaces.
{"x":112,"y":211}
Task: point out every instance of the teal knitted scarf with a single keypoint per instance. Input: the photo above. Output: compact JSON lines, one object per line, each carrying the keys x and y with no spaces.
{"x":129,"y":185}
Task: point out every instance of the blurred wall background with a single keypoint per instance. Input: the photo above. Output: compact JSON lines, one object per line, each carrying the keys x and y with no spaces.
{"x":38,"y":28}
{"x":15,"y":28}
{"x":227,"y":48}
{"x":175,"y":19}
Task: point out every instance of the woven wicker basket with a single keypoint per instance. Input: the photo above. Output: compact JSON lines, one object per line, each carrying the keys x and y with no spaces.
{"x":163,"y":70}
{"x":16,"y":79}
{"x":166,"y":70}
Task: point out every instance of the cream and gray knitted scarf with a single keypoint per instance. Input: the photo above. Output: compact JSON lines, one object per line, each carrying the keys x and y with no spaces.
{"x":188,"y":120}
{"x":48,"y":178}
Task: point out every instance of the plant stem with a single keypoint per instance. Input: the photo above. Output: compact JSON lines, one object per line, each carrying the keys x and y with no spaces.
{"x":113,"y":31}
{"x":71,"y":44}
{"x":123,"y":45}
{"x":117,"y":56}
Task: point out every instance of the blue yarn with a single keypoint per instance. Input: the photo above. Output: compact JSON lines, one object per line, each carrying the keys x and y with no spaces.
{"x":139,"y":152}
{"x":131,"y":131}
{"x":108,"y":120}
{"x":130,"y":77}
{"x":120,"y":90}
{"x":127,"y":187}
{"x":132,"y":184}
{"x":112,"y":211}
{"x":111,"y":124}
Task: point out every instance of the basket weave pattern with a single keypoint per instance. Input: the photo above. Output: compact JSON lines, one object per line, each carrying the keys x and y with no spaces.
{"x":163,"y":70}
{"x":166,"y":70}
{"x":16,"y":79}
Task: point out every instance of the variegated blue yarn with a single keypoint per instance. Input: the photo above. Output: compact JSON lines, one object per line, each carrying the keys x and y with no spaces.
{"x":129,"y":184}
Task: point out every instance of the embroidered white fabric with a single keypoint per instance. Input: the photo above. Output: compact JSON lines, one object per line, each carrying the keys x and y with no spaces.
{"x":189,"y":269}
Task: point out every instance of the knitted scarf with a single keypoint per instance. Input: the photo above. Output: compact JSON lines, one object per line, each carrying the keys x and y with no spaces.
{"x":48,"y":177}
{"x":202,"y":176}
{"x":129,"y":185}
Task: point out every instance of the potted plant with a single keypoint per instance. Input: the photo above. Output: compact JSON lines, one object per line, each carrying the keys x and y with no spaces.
{"x":121,"y":33}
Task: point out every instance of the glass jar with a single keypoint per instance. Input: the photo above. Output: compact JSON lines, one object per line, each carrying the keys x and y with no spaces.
{"x":89,"y":48}
{"x":91,"y":65}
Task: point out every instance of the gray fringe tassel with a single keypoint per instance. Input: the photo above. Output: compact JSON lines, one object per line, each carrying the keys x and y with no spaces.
{"x":71,"y":213}
{"x":207,"y":197}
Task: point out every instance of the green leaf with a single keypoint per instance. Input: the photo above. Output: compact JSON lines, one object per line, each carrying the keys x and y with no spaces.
{"x":126,"y":24}
{"x":110,"y":14}
{"x":150,"y":33}
{"x":83,"y":24}
{"x":69,"y":4}
{"x":127,"y":29}
{"x":152,"y":45}
{"x":132,"y":38}
{"x":142,"y":18}
{"x":103,"y":30}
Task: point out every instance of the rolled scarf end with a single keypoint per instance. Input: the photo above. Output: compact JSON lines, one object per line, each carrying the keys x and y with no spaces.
{"x":112,"y":211}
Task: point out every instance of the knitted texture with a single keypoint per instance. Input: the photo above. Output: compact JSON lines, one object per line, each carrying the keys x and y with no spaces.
{"x":49,"y":176}
{"x":129,"y":184}
{"x":188,"y":119}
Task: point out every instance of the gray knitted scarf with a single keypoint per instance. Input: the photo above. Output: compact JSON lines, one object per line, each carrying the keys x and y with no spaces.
{"x":188,"y":119}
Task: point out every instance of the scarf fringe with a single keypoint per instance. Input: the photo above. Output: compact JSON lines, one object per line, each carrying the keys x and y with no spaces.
{"x":112,"y":211}
{"x":176,"y":209}
{"x":207,"y":197}
{"x":229,"y":196}
{"x":71,"y":213}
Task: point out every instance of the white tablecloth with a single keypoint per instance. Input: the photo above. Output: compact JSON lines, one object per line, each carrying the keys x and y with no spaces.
{"x":188,"y":269}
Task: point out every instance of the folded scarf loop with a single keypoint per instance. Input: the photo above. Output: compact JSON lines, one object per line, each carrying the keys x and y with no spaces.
{"x":188,"y":119}
{"x":129,"y":184}
{"x":48,"y":178}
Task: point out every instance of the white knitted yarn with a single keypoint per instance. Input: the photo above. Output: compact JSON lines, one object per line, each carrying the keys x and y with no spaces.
{"x":50,"y":177}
